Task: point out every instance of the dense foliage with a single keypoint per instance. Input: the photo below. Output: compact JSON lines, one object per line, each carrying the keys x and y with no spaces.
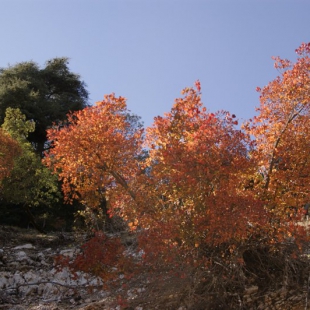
{"x":44,"y":95}
{"x":30,"y":184}
{"x":210,"y":205}
{"x":207,"y":192}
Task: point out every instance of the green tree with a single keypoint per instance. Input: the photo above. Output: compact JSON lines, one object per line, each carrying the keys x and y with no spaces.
{"x":30,"y":184}
{"x":43,"y":95}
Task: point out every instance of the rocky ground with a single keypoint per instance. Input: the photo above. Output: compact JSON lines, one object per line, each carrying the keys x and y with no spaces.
{"x":29,"y":279}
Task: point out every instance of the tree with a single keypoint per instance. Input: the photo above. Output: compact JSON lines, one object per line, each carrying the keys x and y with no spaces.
{"x":43,"y":95}
{"x":281,"y":132}
{"x":29,"y":184}
{"x":208,"y":204}
{"x":194,"y":157}
{"x":183,"y":196}
{"x":95,"y":153}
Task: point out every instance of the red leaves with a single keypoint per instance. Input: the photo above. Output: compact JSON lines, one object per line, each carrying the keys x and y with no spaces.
{"x":281,"y":132}
{"x":204,"y":182}
{"x":193,"y":156}
{"x":303,"y":49}
{"x":99,"y":256}
{"x":96,"y":151}
{"x":281,"y":63}
{"x":197,"y":84}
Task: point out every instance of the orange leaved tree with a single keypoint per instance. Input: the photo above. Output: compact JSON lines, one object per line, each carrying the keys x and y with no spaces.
{"x":96,"y":153}
{"x":188,"y":201}
{"x":189,"y":193}
{"x":282,"y":134}
{"x":207,"y":203}
{"x":199,"y":171}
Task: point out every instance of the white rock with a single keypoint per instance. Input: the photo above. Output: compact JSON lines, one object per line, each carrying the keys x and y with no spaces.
{"x":41,"y":255}
{"x":21,"y":255}
{"x":69,"y":252}
{"x":25,"y":246}
{"x":31,"y":276}
{"x":33,"y":289}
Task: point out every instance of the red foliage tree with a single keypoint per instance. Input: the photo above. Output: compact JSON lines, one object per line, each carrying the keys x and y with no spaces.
{"x":199,"y":172}
{"x":193,"y":191}
{"x":205,"y":186}
{"x":281,"y":132}
{"x":96,"y":153}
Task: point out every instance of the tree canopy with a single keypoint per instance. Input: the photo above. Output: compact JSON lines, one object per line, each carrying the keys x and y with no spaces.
{"x":203,"y":171}
{"x":44,"y":95}
{"x":201,"y":193}
{"x":96,"y":151}
{"x":282,"y":134}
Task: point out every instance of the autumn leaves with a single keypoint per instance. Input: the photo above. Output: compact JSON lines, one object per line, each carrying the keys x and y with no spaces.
{"x":201,"y":181}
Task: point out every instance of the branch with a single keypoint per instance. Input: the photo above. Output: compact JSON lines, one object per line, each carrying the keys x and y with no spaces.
{"x":272,"y":162}
{"x":119,"y":178}
{"x":123,"y":183}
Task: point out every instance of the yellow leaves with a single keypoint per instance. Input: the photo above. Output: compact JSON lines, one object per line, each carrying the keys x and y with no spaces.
{"x":133,"y":225}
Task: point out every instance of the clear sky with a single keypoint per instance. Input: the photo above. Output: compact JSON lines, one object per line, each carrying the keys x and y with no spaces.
{"x":149,"y":50}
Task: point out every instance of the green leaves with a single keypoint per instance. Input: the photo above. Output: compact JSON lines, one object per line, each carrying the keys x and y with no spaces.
{"x":16,"y":125}
{"x":29,"y":182}
{"x":43,"y":95}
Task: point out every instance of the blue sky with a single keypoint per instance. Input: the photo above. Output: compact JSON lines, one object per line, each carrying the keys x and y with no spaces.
{"x":149,"y":50}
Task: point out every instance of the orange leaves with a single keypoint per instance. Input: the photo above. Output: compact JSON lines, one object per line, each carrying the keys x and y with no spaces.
{"x":197,"y":84}
{"x":99,"y":256}
{"x":203,"y":181}
{"x":282,"y":135}
{"x":96,"y":150}
{"x":197,"y":160}
{"x":304,"y":49}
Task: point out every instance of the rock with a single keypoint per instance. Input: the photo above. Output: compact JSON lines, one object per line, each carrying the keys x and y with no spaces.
{"x":28,"y":276}
{"x":25,"y":246}
{"x":69,"y":252}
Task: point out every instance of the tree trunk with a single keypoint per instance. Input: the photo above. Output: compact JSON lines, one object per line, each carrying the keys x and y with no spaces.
{"x":32,"y":220}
